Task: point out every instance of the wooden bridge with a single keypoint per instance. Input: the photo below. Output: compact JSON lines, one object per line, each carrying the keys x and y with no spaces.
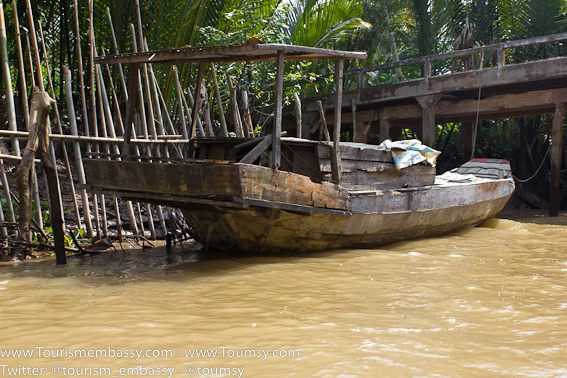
{"x":498,"y":92}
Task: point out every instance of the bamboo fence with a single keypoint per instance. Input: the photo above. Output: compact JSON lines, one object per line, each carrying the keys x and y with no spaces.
{"x":160,"y":133}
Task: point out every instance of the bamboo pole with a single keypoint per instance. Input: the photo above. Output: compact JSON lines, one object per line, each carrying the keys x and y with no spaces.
{"x":4,"y":229}
{"x":128,"y":203}
{"x":192,"y":104}
{"x":77,"y":152}
{"x":144,"y":122}
{"x":35,"y":48}
{"x":103,"y":123}
{"x":24,"y":87}
{"x":235,"y":112}
{"x":7,"y":192}
{"x":152,"y":124}
{"x":118,"y":221}
{"x":148,"y":95}
{"x":167,"y":139}
{"x":108,"y":115}
{"x":60,"y":129}
{"x":12,"y":125}
{"x":167,"y":116}
{"x":116,"y":105}
{"x":24,"y":96}
{"x":219,"y":100}
{"x":116,"y":51}
{"x":94,"y":123}
{"x":142,"y":230}
{"x":37,"y":62}
{"x":113,"y":134}
{"x":81,"y":81}
{"x":32,"y":75}
{"x":196,"y":99}
{"x":180,"y":102}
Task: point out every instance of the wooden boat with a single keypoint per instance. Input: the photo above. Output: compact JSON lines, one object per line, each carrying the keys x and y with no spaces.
{"x":277,"y":194}
{"x":247,"y":207}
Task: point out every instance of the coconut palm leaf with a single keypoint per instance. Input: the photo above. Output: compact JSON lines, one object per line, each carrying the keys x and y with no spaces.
{"x":316,"y":22}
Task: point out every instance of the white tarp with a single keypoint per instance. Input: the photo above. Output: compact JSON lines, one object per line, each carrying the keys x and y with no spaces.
{"x":410,"y":152}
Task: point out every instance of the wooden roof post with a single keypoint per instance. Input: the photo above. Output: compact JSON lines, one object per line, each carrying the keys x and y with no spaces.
{"x":556,"y":149}
{"x":278,"y":97}
{"x":336,"y":166}
{"x":131,"y":106}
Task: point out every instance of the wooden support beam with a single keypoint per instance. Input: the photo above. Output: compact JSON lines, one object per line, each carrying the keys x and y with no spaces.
{"x":556,"y":151}
{"x":257,"y":151}
{"x":336,"y":166}
{"x":278,"y":97}
{"x":323,"y":122}
{"x":353,"y":112}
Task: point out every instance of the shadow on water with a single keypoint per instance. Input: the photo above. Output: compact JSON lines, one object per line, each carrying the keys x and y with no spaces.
{"x":188,"y":260}
{"x":151,"y":264}
{"x":534,"y":217}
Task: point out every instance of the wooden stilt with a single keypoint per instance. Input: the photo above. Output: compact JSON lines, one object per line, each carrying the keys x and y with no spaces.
{"x":336,"y":165}
{"x":297,"y":103}
{"x":278,"y":99}
{"x":556,"y":152}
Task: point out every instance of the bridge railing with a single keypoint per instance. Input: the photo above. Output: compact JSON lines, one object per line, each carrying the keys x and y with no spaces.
{"x":426,"y":61}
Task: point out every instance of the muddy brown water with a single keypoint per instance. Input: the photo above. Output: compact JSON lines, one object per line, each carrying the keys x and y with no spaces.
{"x":487,"y":301}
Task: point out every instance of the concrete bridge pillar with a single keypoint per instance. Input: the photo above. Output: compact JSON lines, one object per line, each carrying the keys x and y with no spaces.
{"x":556,"y":151}
{"x":427,"y":104}
{"x":384,"y":129}
{"x":468,"y":138}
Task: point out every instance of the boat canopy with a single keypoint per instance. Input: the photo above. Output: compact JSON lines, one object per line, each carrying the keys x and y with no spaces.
{"x":253,"y":50}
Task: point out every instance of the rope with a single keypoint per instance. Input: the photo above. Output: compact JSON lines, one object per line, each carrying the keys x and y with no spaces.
{"x":478,"y":101}
{"x":541,"y":165}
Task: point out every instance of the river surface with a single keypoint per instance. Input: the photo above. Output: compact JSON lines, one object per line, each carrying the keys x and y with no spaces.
{"x":489,"y":301}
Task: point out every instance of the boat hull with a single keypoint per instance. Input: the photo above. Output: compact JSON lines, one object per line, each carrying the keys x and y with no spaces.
{"x":249,"y":208}
{"x":272,"y":230}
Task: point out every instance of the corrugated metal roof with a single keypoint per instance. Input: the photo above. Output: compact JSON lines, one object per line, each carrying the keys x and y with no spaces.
{"x":251,"y":51}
